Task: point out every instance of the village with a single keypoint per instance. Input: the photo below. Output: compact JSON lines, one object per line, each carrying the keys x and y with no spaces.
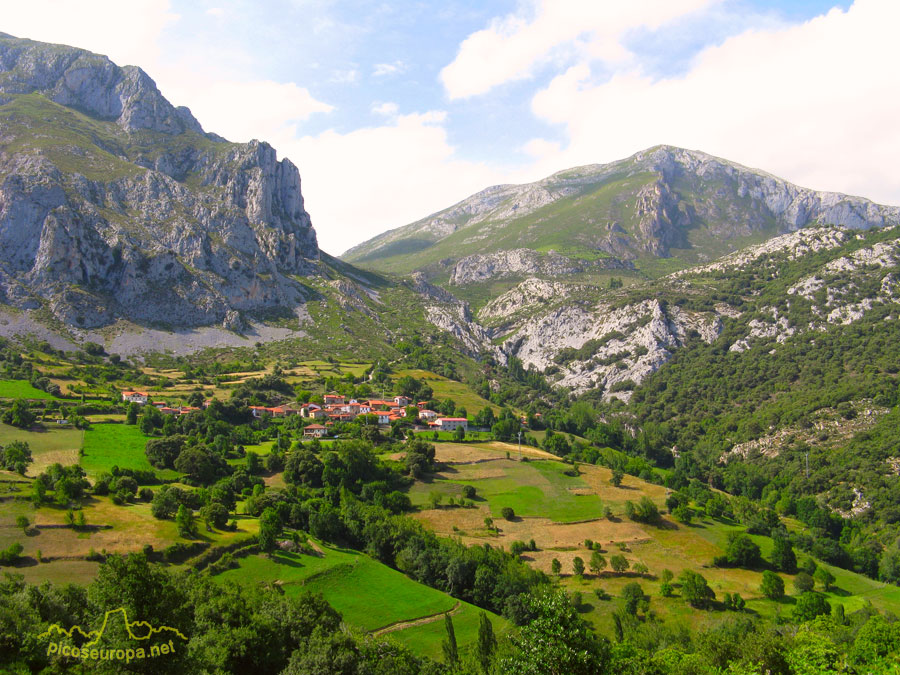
{"x":334,"y":408}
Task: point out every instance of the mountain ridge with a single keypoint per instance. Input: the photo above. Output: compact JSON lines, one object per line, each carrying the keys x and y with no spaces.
{"x":661,"y":202}
{"x":115,"y":204}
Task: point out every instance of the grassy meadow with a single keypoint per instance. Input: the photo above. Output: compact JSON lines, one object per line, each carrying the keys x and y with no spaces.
{"x":368,"y":594}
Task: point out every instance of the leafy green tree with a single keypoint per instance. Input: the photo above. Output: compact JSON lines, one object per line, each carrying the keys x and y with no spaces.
{"x":803,"y":582}
{"x":665,"y":586}
{"x":824,"y":577}
{"x":302,"y":467}
{"x":21,"y":415}
{"x":22,"y":522}
{"x":772,"y":586}
{"x":508,"y":513}
{"x":131,"y":414}
{"x":619,"y":563}
{"x":634,"y":599}
{"x":215,"y":515}
{"x":460,"y":434}
{"x":15,"y":456}
{"x":741,"y":551}
{"x":783,"y":557}
{"x":578,"y":566}
{"x":162,"y":452}
{"x":810,"y":605}
{"x":269,"y":529}
{"x":555,"y":566}
{"x":695,"y":590}
{"x":557,"y":641}
{"x":486,"y":644}
{"x":184,"y":521}
{"x":616,"y":478}
{"x":598,"y":562}
{"x":165,"y":502}
{"x":875,"y":640}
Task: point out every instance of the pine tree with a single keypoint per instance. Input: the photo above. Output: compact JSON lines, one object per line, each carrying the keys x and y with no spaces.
{"x":487,"y":643}
{"x":451,"y":654}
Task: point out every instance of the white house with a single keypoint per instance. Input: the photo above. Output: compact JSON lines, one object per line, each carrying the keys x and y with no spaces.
{"x":428,"y":415}
{"x":451,"y":423}
{"x":138,"y":397}
{"x":315,"y":430}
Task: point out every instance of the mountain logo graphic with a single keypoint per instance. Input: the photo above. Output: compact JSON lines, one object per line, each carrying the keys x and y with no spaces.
{"x":137,"y":630}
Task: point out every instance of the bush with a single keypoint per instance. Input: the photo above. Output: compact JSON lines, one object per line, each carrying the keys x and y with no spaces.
{"x":507,"y":513}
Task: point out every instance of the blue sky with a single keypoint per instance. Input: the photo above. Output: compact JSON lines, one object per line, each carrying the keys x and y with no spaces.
{"x":394,"y":110}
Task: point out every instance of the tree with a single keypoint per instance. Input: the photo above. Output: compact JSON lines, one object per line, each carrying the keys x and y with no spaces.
{"x":683,"y":514}
{"x":640,"y":568}
{"x":783,"y":557}
{"x":448,"y":646}
{"x":665,"y":586}
{"x":616,"y":478}
{"x":824,"y":577}
{"x":486,"y":644}
{"x":803,"y":582}
{"x":269,"y":529}
{"x":215,"y":515}
{"x":741,"y":551}
{"x":557,"y":641}
{"x":695,"y":590}
{"x":165,"y":502}
{"x":578,"y":566}
{"x":302,"y":467}
{"x":131,"y":414}
{"x":555,"y":566}
{"x":162,"y":452}
{"x":598,"y":562}
{"x":184,"y":521}
{"x":809,"y":606}
{"x":22,"y":523}
{"x":619,"y":563}
{"x":199,"y":464}
{"x":634,"y":599}
{"x":772,"y":585}
{"x":15,"y":456}
{"x":21,"y":415}
{"x":459,"y":434}
{"x":508,"y":513}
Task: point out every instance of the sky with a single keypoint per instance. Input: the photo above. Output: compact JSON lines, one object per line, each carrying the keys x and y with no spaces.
{"x":395,"y":110}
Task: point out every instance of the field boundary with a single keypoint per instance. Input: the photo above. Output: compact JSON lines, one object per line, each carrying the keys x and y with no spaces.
{"x":420,"y":621}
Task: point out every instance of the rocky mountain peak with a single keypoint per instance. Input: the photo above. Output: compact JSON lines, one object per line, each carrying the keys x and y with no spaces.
{"x":90,"y":83}
{"x":115,"y":204}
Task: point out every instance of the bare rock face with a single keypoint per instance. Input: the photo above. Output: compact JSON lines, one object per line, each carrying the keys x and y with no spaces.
{"x":130,"y":209}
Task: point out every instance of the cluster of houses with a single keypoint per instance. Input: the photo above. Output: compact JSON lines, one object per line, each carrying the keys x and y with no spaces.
{"x":334,"y":408}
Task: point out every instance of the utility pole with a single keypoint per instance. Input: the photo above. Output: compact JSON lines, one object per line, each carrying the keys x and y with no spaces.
{"x":520,"y":445}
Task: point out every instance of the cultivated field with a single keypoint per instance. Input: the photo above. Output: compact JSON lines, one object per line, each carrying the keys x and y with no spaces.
{"x":49,"y":445}
{"x":559,"y":512}
{"x":368,"y":594}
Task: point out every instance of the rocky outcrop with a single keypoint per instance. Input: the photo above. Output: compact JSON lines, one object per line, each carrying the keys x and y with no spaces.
{"x":138,"y":214}
{"x":522,"y":262}
{"x":606,"y":348}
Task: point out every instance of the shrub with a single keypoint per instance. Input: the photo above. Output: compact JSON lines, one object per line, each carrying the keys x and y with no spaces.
{"x":507,"y":513}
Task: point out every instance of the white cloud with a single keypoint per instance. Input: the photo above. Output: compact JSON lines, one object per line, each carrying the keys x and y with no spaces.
{"x":241,"y":111}
{"x":816,"y":103}
{"x":383,"y":69}
{"x":388,"y":108}
{"x":217,"y":12}
{"x":127,"y":32}
{"x":513,"y":46}
{"x":363,"y":182}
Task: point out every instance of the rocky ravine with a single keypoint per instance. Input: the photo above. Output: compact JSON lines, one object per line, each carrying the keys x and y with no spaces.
{"x":129,"y":209}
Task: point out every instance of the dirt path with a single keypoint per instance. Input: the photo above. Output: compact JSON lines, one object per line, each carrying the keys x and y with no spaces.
{"x":421,"y":621}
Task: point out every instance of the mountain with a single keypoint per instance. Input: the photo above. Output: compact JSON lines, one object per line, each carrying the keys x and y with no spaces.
{"x":662,"y":203}
{"x":115,"y":204}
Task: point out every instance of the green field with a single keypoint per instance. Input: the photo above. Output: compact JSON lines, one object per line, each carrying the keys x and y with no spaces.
{"x":22,"y":389}
{"x":50,"y":445}
{"x":443,"y":388}
{"x":426,"y":638}
{"x":538,"y":488}
{"x":122,"y":445}
{"x":368,"y":594}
